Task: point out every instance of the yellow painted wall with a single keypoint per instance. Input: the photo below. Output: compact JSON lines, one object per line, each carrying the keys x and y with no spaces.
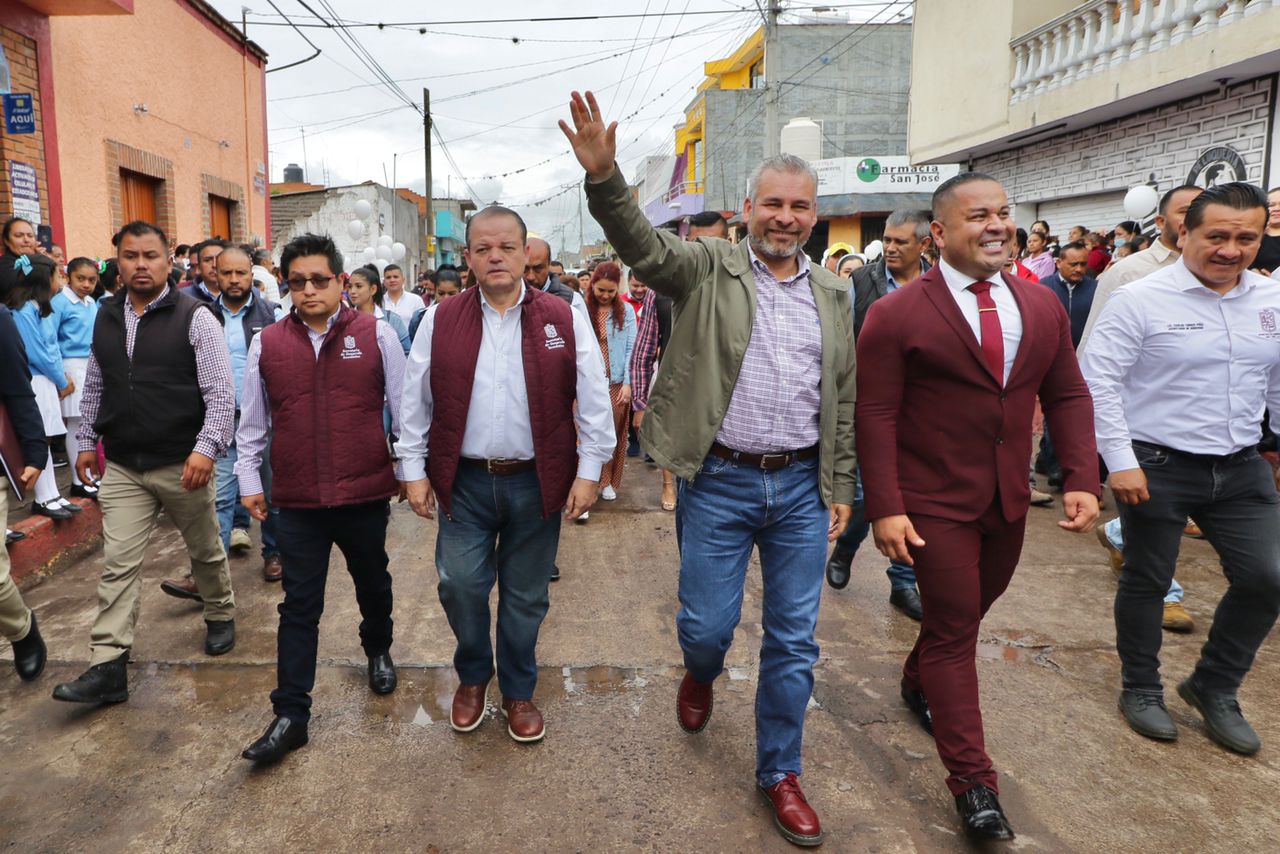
{"x":198,"y":90}
{"x":845,"y":229}
{"x":946,"y":119}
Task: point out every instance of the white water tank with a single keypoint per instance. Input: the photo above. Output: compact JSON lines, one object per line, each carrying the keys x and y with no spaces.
{"x":802,"y":137}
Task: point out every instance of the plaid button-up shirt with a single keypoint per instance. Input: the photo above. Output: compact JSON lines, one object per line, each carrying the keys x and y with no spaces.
{"x":644,"y":354}
{"x":776,"y":400}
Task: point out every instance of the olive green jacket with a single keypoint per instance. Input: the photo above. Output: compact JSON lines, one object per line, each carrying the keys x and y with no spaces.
{"x":714,"y":291}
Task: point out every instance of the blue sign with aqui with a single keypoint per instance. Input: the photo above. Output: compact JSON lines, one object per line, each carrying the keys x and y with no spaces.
{"x":19,"y":113}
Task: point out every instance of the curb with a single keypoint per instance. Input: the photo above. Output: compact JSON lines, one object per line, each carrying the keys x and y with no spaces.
{"x":50,"y":545}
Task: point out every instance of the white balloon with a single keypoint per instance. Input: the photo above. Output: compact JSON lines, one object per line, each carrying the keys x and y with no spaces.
{"x":1140,"y":201}
{"x":355,"y":228}
{"x":363,"y":208}
{"x":381,"y":264}
{"x":385,"y":240}
{"x":873,"y":250}
{"x":368,"y":254}
{"x":384,"y":253}
{"x":398,"y":250}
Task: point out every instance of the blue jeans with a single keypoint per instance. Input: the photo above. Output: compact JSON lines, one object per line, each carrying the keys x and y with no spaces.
{"x":901,"y":576}
{"x":727,"y":509}
{"x":231,"y":513}
{"x":1115,"y":533}
{"x":496,"y":532}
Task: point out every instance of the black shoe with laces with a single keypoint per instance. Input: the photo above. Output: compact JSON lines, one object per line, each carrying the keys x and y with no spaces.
{"x":981,"y":814}
{"x":102,"y":683}
{"x":1223,"y":719}
{"x":1147,"y":715}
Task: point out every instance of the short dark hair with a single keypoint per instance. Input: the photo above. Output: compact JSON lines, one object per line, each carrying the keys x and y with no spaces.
{"x":182,"y":249}
{"x":391,"y":267}
{"x":305,"y":245}
{"x":1167,"y":198}
{"x":496,"y":210}
{"x":448,"y":274}
{"x":707,"y":219}
{"x":139,"y":228}
{"x":1073,"y":245}
{"x":948,"y":188}
{"x":1085,"y":229}
{"x":205,"y":244}
{"x":554,"y":263}
{"x":1237,"y":194}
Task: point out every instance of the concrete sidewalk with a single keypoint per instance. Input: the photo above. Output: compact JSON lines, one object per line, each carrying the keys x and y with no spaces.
{"x":162,"y":772}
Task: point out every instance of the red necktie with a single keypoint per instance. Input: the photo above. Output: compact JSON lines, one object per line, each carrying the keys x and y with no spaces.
{"x":989,"y":324}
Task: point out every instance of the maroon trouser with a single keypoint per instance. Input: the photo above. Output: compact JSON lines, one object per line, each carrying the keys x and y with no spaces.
{"x":961,"y":570}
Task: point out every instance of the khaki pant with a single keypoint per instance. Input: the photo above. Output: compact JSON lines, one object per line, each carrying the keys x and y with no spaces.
{"x":131,"y":501}
{"x":15,"y":616}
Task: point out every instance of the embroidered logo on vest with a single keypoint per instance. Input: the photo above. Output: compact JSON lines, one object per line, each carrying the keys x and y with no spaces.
{"x":349,"y":348}
{"x":554,"y":341}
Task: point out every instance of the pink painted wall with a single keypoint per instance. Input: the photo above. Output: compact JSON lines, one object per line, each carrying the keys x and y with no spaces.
{"x":199,"y":87}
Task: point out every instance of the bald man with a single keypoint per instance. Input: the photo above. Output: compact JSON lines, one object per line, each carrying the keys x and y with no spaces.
{"x":538,"y":274}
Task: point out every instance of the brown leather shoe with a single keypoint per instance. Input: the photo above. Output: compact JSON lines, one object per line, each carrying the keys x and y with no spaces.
{"x":181,"y":588}
{"x":272,"y":569}
{"x":524,"y":721}
{"x":694,"y":702}
{"x":1115,"y":557}
{"x":468,"y":707}
{"x":1176,"y":618}
{"x":795,"y":819}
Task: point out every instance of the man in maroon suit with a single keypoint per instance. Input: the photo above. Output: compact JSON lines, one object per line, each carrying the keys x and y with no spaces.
{"x":950,"y":368}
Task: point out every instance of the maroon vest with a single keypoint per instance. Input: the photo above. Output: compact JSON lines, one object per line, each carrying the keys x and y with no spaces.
{"x":328,"y":447}
{"x":551,"y":383}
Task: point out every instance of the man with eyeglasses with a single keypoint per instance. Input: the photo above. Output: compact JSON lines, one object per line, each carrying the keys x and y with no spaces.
{"x":316,"y":382}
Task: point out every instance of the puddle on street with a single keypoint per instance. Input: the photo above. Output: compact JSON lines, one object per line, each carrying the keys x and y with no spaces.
{"x":1014,"y":654}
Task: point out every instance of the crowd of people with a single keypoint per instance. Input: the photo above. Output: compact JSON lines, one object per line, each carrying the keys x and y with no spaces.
{"x":504,"y":397}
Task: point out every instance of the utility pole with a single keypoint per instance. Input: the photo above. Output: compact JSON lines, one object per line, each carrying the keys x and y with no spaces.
{"x":772,"y":83}
{"x":430,"y":252}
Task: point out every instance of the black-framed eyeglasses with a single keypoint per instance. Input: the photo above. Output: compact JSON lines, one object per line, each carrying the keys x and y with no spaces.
{"x":320,"y":282}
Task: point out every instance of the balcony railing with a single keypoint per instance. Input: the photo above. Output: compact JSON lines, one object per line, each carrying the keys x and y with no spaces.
{"x":680,"y":190}
{"x":1104,"y":34}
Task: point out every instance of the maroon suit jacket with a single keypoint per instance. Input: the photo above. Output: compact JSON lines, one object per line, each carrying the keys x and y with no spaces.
{"x":936,"y":432}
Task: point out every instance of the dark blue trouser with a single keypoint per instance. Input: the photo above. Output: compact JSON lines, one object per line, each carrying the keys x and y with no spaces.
{"x":901,"y":576}
{"x":495,"y":532}
{"x":305,"y":538}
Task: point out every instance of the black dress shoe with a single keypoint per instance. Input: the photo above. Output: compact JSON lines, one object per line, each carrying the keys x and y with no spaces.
{"x":29,"y":654}
{"x":78,"y":491}
{"x":282,"y":736}
{"x":12,"y":536}
{"x":221,"y":637}
{"x":980,"y":811}
{"x":919,"y":707}
{"x":52,"y":509}
{"x":382,"y":673}
{"x":72,"y":507}
{"x":838,"y":569}
{"x":907,"y":600}
{"x":555,"y":573}
{"x":1146,"y":715}
{"x":103,"y":683}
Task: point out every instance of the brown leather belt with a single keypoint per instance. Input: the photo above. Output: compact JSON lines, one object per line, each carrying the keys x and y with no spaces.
{"x":500,"y":467}
{"x":768,"y":462}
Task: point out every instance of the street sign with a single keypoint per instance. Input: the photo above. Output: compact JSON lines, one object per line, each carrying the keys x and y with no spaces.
{"x":19,"y":113}
{"x":25,"y":191}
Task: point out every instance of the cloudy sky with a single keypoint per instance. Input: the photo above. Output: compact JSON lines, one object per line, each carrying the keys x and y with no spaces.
{"x":497,"y":86}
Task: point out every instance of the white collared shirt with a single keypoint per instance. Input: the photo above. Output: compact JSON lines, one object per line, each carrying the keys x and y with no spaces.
{"x":498,"y":424}
{"x":1006,"y":309}
{"x":408,"y":304}
{"x":1137,"y":266}
{"x":1173,"y":363}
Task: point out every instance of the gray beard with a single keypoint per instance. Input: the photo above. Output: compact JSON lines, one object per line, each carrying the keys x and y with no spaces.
{"x":763,"y":247}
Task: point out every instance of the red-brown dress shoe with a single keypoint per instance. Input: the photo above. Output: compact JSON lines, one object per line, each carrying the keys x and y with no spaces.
{"x":524,"y":721}
{"x":181,"y":588}
{"x":796,"y":820}
{"x":694,"y":702}
{"x":272,"y":568}
{"x":468,"y":707}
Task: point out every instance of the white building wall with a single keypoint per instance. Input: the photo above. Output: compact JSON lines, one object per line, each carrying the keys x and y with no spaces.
{"x":338,"y":210}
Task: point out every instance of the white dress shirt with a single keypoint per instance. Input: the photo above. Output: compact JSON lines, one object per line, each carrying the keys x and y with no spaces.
{"x":1006,"y":309}
{"x":408,"y":304}
{"x":1173,"y":363}
{"x":498,"y":426}
{"x":1137,"y":266}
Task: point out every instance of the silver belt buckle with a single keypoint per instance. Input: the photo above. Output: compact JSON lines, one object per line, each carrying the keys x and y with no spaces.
{"x":488,"y":465}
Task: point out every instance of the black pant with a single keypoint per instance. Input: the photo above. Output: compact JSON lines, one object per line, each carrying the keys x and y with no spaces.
{"x":305,"y":539}
{"x":1233,"y":500}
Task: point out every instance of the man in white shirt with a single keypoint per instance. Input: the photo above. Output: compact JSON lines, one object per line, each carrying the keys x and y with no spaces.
{"x":492,"y":380}
{"x":397,"y":299}
{"x":1160,"y":254}
{"x":1182,"y":365}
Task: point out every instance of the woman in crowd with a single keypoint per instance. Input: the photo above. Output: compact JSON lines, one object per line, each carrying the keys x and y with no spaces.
{"x":1012,"y":265}
{"x":30,"y":300}
{"x":1099,"y":258}
{"x":448,"y":284}
{"x":848,"y":264}
{"x":365,"y":291}
{"x":615,"y":326}
{"x":18,"y":239}
{"x":74,"y":313}
{"x":1039,"y":259}
{"x":1124,"y":234}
